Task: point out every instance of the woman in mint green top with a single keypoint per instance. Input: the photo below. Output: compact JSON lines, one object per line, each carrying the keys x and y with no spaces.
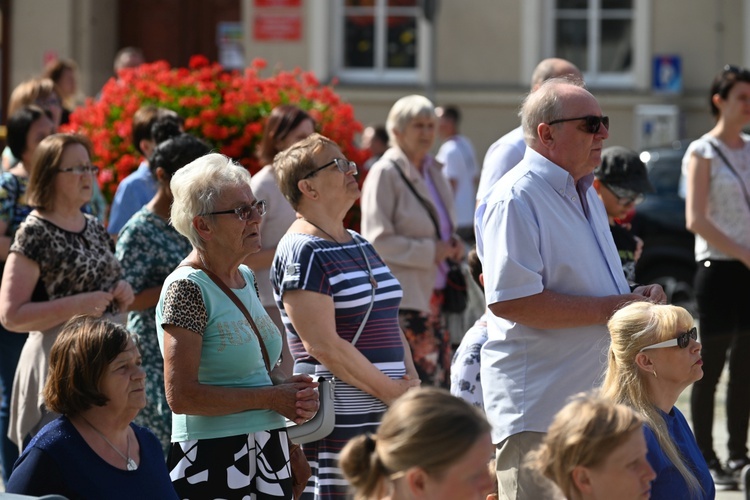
{"x":228,"y":429}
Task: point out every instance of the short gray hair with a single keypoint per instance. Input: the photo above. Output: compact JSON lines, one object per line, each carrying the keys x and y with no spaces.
{"x":405,"y":110}
{"x":543,"y":106}
{"x":197,"y":187}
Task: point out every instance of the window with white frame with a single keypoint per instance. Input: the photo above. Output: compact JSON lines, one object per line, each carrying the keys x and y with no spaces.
{"x":379,"y":41}
{"x":598,"y":36}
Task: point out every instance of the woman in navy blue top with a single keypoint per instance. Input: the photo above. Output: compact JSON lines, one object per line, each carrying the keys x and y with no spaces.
{"x":93,"y":450}
{"x":324,"y":279}
{"x":654,"y":356}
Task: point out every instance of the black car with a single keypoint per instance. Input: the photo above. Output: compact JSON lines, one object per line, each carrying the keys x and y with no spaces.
{"x":668,"y":248}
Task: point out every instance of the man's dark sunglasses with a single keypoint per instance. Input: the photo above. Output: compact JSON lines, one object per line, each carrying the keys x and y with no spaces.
{"x":593,"y":123}
{"x":682,"y":340}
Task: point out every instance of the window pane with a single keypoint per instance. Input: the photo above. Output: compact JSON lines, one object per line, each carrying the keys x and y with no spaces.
{"x":572,"y":4}
{"x":359,"y":41}
{"x":617,"y":4}
{"x":402,"y":3}
{"x":571,"y":41}
{"x":402,"y":43}
{"x":616,"y":54}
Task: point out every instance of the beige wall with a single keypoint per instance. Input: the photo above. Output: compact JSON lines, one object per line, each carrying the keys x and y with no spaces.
{"x":477,"y":43}
{"x":82,"y":30}
{"x":480,"y":51}
{"x":707,"y":35}
{"x":33,"y":35}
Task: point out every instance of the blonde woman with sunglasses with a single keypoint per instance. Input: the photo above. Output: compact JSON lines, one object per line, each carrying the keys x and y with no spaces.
{"x":653,"y":357}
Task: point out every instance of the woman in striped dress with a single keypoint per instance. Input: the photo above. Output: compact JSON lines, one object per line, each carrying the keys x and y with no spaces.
{"x":323,"y":287}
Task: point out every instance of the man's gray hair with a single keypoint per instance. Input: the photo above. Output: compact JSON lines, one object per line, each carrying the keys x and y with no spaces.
{"x":543,"y":106}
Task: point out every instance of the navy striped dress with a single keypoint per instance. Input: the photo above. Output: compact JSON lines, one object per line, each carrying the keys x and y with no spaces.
{"x":306,"y":262}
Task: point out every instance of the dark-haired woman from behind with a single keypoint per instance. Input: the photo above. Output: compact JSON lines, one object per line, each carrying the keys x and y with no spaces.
{"x":96,"y":383}
{"x":148,"y":249}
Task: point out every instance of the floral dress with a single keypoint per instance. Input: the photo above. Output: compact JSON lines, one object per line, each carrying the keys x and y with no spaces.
{"x":13,"y":209}
{"x":149,"y":249}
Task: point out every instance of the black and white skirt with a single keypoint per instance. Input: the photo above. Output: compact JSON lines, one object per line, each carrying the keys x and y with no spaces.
{"x":246,"y":466}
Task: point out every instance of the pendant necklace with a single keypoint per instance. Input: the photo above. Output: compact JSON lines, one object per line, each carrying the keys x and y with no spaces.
{"x":373,"y":282}
{"x":129,"y":462}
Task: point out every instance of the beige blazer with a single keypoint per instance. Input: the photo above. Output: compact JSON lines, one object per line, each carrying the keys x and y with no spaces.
{"x":398,"y":226}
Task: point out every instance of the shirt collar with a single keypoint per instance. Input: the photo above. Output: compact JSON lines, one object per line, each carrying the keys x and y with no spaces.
{"x":556,"y":176}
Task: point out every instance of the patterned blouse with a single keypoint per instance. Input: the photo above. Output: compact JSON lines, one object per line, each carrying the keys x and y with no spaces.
{"x":69,"y":262}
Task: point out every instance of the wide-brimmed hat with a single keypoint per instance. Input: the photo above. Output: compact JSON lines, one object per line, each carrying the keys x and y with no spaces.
{"x":622,"y":168}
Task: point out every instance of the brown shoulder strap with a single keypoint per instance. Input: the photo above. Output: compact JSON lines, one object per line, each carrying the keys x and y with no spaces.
{"x":229,"y":293}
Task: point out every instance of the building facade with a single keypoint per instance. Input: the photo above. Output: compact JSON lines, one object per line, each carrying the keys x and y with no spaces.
{"x":649,"y":62}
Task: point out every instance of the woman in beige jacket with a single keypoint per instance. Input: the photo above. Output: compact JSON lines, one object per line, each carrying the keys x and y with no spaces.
{"x":405,"y":200}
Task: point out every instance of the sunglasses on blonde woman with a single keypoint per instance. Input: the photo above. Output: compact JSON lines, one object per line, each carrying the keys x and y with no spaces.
{"x":682,"y":340}
{"x":593,"y":123}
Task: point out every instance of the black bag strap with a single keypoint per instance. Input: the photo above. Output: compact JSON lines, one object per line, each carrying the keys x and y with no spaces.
{"x":229,"y":293}
{"x":421,"y":200}
{"x":734,"y":172}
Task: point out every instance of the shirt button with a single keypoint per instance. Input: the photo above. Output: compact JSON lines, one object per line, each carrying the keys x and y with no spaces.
{"x":562,"y":191}
{"x":574,"y":198}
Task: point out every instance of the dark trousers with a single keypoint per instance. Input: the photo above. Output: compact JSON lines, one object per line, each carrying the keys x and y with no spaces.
{"x":10,"y":349}
{"x":723,"y":298}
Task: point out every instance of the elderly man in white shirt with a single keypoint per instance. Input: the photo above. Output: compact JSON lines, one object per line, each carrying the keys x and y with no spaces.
{"x":552,"y":278}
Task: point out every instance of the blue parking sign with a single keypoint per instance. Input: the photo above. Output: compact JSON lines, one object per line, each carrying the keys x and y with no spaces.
{"x":667,"y":74}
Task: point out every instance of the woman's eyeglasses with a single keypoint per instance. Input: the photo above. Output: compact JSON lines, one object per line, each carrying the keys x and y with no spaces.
{"x":682,"y":340}
{"x":593,"y":123}
{"x":344,"y":166}
{"x":80,"y":169}
{"x":625,"y":196}
{"x":245,"y":212}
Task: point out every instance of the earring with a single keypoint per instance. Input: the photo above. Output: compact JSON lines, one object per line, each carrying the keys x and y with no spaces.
{"x":655,"y":373}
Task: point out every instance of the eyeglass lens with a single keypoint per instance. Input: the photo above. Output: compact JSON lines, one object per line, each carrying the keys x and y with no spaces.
{"x":684,"y":338}
{"x":593,"y":123}
{"x":345,"y":166}
{"x":246,"y":212}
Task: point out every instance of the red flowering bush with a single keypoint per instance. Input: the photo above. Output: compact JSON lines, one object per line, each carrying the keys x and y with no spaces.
{"x":226,"y":108}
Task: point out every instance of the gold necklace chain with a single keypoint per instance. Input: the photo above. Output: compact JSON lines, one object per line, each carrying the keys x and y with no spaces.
{"x":373,"y":282}
{"x":129,"y":462}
